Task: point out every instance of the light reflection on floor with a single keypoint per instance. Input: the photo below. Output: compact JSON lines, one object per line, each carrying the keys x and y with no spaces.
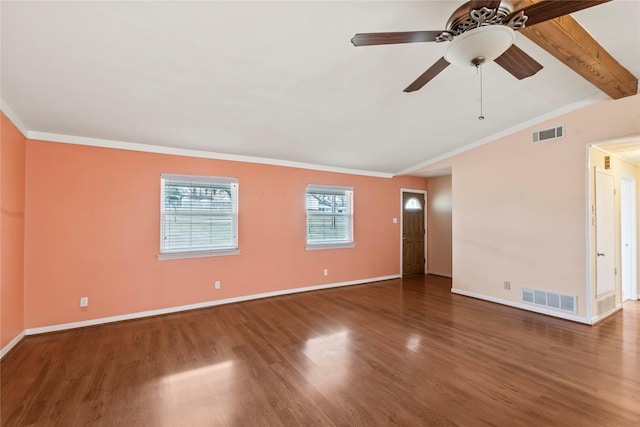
{"x":413,"y":343}
{"x":197,"y":396}
{"x":330,"y":357}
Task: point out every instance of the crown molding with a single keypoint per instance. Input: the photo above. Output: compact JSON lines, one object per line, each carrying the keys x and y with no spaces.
{"x":415,"y":169}
{"x":158,"y":149}
{"x":6,"y":109}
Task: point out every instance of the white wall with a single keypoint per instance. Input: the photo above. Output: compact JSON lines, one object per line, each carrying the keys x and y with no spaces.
{"x":519,"y":209}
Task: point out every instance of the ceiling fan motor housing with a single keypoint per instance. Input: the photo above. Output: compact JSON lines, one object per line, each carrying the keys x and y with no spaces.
{"x":488,"y":42}
{"x":465,"y":19}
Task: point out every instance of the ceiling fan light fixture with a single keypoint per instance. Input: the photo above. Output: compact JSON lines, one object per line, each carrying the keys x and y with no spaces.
{"x":488,"y":42}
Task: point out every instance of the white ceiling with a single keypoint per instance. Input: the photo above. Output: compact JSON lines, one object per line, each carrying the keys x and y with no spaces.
{"x":276,"y":79}
{"x":627,"y":149}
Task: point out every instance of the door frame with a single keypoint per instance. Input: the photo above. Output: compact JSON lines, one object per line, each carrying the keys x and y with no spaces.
{"x":423,"y":192}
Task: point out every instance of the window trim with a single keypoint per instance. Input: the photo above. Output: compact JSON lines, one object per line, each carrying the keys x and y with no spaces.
{"x":328,"y":244}
{"x":322,"y":246}
{"x":199,"y":253}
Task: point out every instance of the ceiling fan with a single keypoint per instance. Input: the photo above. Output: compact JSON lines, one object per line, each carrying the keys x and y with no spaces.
{"x":480,"y":31}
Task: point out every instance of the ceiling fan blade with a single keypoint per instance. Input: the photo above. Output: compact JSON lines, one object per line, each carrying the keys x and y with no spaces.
{"x":518,"y":63}
{"x":479,"y":4}
{"x":368,"y":39}
{"x":433,"y":71}
{"x":550,"y":9}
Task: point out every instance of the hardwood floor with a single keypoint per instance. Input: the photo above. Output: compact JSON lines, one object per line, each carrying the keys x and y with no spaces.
{"x":400,"y":352}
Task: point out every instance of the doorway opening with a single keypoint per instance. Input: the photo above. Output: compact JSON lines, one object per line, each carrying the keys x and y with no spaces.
{"x":612,"y":212}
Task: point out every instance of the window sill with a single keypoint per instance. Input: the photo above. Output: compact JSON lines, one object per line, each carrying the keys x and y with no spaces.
{"x":202,"y":254}
{"x":322,"y":246}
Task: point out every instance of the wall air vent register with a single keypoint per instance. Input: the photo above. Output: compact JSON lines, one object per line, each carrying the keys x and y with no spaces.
{"x":549,"y":299}
{"x":546,"y":135}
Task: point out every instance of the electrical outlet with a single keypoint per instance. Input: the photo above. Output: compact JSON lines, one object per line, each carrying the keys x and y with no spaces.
{"x":507,"y":285}
{"x":217,"y":284}
{"x":326,"y":272}
{"x":84,"y":301}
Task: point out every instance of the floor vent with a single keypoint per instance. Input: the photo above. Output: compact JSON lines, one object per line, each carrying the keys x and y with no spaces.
{"x":549,"y":299}
{"x":606,"y":304}
{"x":546,"y":135}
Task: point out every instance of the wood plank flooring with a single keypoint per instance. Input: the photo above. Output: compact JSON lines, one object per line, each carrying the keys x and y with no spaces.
{"x":400,"y":352}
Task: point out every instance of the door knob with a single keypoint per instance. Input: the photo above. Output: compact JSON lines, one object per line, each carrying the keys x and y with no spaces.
{"x":600,"y":253}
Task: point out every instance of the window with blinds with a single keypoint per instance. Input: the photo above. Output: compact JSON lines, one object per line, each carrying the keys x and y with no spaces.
{"x":199,"y":215}
{"x":329,"y":216}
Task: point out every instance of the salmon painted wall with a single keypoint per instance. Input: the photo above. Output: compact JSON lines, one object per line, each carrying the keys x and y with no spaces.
{"x":93,"y":224}
{"x":12,"y":201}
{"x":439,"y":256}
{"x":519,"y":209}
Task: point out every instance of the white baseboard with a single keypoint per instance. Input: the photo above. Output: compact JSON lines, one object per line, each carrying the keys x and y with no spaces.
{"x":149,"y":313}
{"x":7,"y":348}
{"x":436,"y":273}
{"x":598,"y":319}
{"x":522,"y":306}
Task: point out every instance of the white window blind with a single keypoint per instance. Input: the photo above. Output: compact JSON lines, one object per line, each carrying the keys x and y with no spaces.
{"x":198,"y":214}
{"x":329,"y":215}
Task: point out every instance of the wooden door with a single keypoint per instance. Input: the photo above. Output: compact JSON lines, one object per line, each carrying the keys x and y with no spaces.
{"x":412,"y":234}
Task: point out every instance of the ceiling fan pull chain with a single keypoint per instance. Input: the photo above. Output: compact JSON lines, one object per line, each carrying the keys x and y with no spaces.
{"x":478,"y":63}
{"x":481,"y":117}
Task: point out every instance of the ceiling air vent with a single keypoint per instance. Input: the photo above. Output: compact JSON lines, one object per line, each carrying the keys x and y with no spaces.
{"x":546,"y":135}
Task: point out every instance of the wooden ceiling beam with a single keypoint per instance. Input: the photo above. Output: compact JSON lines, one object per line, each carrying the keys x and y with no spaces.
{"x":569,"y":42}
